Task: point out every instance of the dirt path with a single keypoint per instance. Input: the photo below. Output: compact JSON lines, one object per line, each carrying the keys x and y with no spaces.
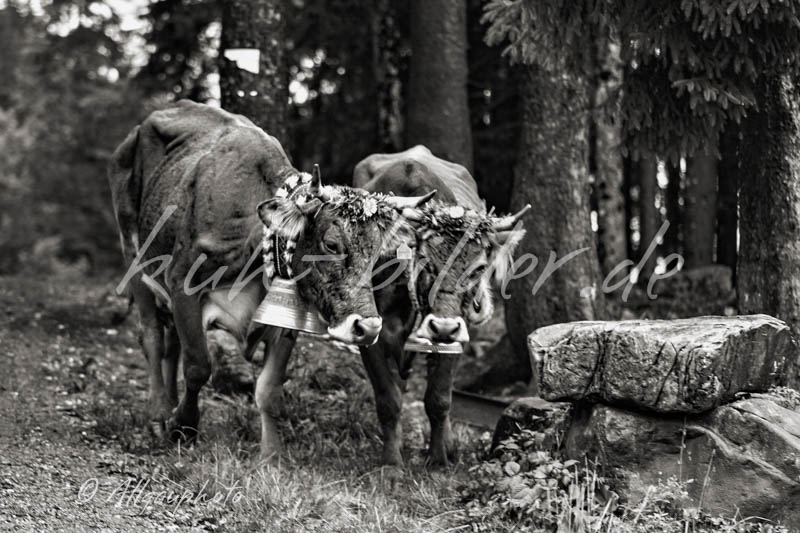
{"x":55,"y":339}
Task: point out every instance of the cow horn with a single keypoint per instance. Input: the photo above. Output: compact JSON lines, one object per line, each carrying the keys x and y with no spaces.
{"x":404,"y":202}
{"x":507,"y":223}
{"x":316,"y":181}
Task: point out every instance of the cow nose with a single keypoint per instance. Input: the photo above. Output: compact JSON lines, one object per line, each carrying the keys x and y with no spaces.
{"x":443,"y":329}
{"x":355,"y":329}
{"x":366,"y":330}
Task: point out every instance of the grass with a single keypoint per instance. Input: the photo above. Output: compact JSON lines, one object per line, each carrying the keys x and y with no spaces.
{"x":327,"y":479}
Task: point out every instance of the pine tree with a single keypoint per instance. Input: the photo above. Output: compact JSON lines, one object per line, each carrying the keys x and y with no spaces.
{"x":692,"y":67}
{"x":438,"y":111}
{"x":263,"y":96}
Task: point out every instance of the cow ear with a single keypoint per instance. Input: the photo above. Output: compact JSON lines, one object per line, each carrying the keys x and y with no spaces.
{"x":501,"y":252}
{"x":282,"y":216}
{"x":310,"y":207}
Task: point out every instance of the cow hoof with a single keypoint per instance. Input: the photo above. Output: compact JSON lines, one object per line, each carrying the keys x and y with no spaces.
{"x":271,"y":455}
{"x":452,"y":452}
{"x":184,"y":435}
{"x":180,"y":433}
{"x":270,"y":458}
{"x":392,"y":477}
{"x":443,"y":458}
{"x":160,"y":409}
{"x":158,"y":429}
{"x":442,"y":463}
{"x":392,"y":458}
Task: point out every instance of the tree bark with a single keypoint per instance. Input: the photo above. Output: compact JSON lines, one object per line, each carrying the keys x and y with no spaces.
{"x":769,"y":204}
{"x":552,"y":175}
{"x":672,"y":239}
{"x":700,"y":213}
{"x":438,"y":109}
{"x":608,"y":163}
{"x":649,"y":219}
{"x":386,"y":49}
{"x":630,"y":180}
{"x":261,"y":97}
{"x":727,"y":214}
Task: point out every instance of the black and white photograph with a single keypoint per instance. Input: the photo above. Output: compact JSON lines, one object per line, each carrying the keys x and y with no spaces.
{"x":400,"y":266}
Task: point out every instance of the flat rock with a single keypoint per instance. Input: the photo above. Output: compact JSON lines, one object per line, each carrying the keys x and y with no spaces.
{"x":742,"y":458}
{"x":668,"y":366}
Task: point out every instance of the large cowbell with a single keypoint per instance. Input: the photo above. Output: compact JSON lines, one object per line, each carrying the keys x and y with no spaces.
{"x":283,"y":307}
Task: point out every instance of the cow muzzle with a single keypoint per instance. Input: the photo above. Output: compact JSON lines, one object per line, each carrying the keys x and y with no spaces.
{"x":439,"y":329}
{"x":355,"y":329}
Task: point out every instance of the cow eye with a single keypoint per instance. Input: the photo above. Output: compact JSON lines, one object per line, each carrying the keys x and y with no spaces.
{"x":479,"y":271}
{"x":331,"y":246}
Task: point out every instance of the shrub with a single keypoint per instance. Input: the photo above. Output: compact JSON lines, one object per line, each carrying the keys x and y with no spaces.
{"x":541,"y":490}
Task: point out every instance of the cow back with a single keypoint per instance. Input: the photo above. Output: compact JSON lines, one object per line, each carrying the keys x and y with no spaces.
{"x":415,"y":172}
{"x":209,"y":169}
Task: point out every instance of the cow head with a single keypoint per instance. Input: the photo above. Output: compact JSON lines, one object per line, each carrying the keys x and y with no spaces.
{"x":332,"y":236}
{"x":460,"y":253}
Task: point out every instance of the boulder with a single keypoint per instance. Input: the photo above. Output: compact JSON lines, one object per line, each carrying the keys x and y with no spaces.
{"x":742,"y":458}
{"x":669,"y":366}
{"x":549,"y":420}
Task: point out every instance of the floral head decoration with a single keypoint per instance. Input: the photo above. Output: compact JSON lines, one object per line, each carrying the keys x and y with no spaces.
{"x":309,"y":196}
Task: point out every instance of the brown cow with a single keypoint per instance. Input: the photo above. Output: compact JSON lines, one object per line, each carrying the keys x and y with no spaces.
{"x":460,"y":248}
{"x":188,"y":186}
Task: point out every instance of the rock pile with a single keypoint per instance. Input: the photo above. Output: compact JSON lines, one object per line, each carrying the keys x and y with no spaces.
{"x":651,"y":400}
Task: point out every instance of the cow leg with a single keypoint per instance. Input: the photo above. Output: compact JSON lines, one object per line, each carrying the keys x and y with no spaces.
{"x":196,"y":367}
{"x":151,"y":336}
{"x":169,"y":365}
{"x":384,"y":375}
{"x":269,"y":388}
{"x":438,"y":397}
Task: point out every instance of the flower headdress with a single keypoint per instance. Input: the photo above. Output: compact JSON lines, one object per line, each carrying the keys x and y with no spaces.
{"x":455,"y":219}
{"x":302,"y":195}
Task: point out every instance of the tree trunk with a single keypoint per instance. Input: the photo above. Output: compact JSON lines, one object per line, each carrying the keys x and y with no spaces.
{"x":672,"y":239}
{"x":727,"y":215}
{"x":552,"y":175}
{"x":649,"y":219}
{"x":262,"y":97}
{"x":769,"y":205}
{"x":438,"y":110}
{"x":630,"y":180}
{"x":700,"y":213}
{"x":386,"y":49}
{"x":608,"y":164}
